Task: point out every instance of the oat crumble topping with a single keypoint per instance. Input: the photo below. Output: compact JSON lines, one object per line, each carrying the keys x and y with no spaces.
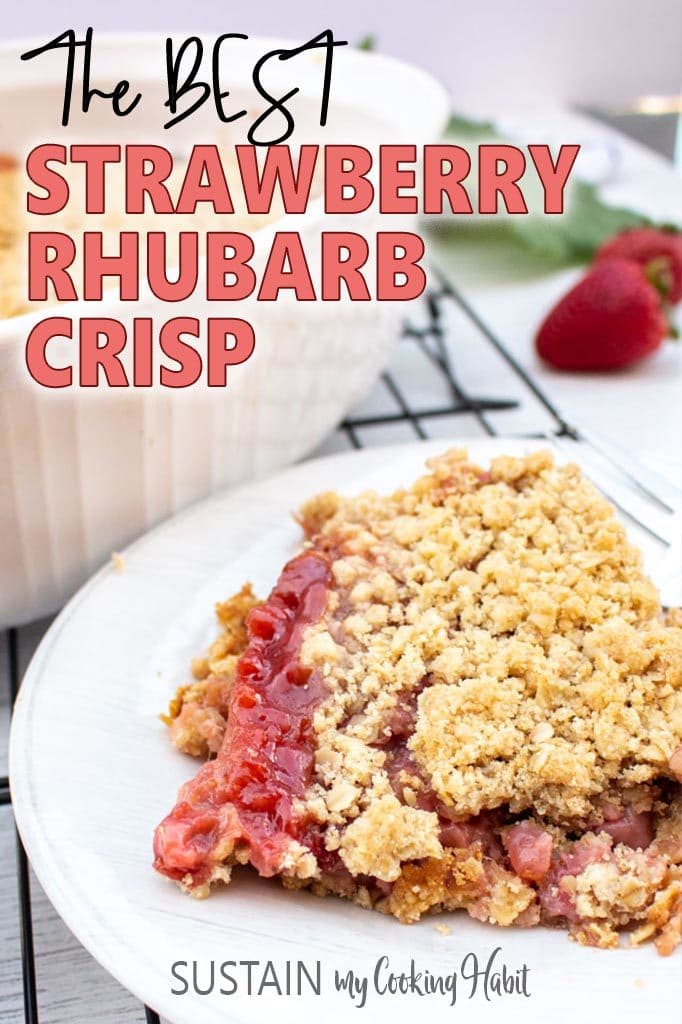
{"x":501,"y":725}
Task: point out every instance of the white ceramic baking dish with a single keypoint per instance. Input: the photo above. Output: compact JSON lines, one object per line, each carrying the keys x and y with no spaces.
{"x":80,"y":475}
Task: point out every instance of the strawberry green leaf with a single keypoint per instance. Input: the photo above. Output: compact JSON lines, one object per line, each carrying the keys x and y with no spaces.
{"x":575,"y":235}
{"x":465,"y":126}
{"x":368,"y":42}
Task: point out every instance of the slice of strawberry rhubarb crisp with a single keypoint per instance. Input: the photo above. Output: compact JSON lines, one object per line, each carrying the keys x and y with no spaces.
{"x":461,"y":695}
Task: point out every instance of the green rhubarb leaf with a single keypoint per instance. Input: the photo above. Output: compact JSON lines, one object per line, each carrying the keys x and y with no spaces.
{"x":575,"y":235}
{"x":465,"y":126}
{"x":554,"y":241}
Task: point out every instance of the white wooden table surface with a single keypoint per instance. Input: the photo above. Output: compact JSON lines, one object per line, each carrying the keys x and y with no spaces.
{"x":641,"y":409}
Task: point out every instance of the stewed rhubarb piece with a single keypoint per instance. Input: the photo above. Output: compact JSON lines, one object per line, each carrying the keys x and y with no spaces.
{"x":463,"y":695}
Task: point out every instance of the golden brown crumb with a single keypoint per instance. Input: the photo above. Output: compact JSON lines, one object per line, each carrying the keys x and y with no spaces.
{"x":12,"y":286}
{"x":494,"y":655}
{"x":675,"y":763}
{"x":386,"y":834}
{"x":673,"y":617}
{"x":517,"y":595}
{"x":117,"y":561}
{"x":197,"y":714}
{"x":664,"y":917}
{"x":453,"y":881}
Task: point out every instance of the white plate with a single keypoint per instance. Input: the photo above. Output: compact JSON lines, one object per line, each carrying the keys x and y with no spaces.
{"x":93,"y":772}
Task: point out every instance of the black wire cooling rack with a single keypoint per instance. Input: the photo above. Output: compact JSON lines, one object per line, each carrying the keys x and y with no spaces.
{"x":434,"y":339}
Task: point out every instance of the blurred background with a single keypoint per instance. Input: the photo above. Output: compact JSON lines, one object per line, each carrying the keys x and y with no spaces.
{"x":621,"y":60}
{"x":608,"y":52}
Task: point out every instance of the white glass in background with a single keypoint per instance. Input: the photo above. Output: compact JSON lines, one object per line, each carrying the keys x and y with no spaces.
{"x":677,"y":158}
{"x":666,"y":107}
{"x":656,"y":121}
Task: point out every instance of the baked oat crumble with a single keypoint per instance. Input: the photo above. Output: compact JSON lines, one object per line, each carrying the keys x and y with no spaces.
{"x":461,"y":695}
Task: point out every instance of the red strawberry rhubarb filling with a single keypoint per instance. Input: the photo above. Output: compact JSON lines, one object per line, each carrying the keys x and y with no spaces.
{"x":460,"y":696}
{"x":520,"y":845}
{"x":245,"y":796}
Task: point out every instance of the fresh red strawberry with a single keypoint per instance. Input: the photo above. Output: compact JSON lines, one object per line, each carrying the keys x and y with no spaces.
{"x":658,"y":250}
{"x":611,"y":318}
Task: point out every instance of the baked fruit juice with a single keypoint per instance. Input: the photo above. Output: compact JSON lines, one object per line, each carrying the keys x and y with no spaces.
{"x":464,"y":695}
